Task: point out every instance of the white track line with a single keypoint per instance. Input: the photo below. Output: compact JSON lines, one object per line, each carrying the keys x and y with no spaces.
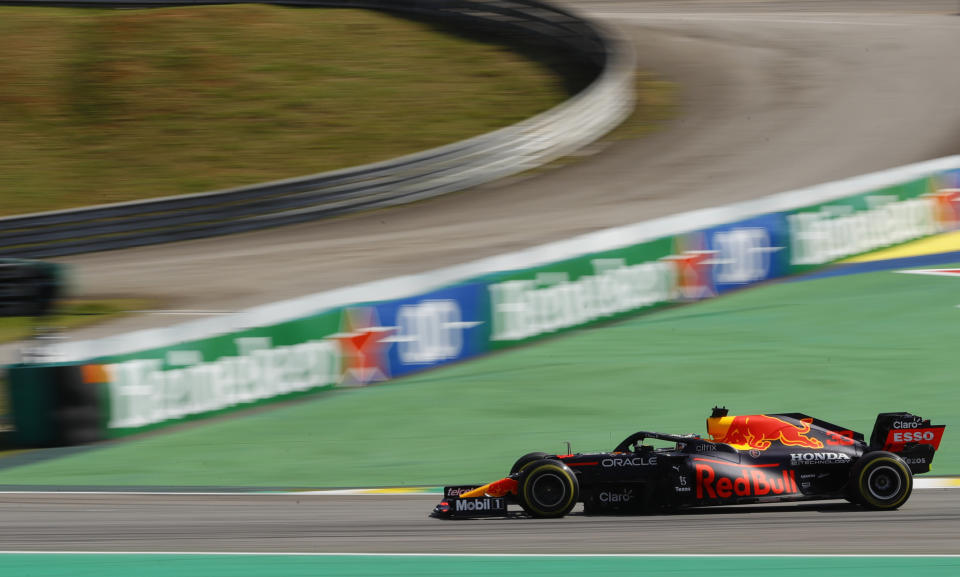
{"x":497,"y":555}
{"x":918,"y":483}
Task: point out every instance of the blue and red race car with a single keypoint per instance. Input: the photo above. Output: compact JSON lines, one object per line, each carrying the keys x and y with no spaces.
{"x":746,"y":459}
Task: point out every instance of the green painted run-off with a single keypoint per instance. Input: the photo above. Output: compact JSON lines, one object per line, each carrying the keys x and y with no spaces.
{"x":205,"y":565}
{"x":842,"y":349}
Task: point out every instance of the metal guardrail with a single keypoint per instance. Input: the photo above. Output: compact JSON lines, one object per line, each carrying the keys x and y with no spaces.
{"x":557,"y":132}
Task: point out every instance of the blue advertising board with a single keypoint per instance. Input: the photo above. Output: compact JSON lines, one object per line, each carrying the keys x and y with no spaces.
{"x":747,"y":251}
{"x":434,"y":329}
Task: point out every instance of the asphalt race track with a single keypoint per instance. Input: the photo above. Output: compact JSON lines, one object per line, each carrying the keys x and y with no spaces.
{"x":776,"y":95}
{"x":928,"y":524}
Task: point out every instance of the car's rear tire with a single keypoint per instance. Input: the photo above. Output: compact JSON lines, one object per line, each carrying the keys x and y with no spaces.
{"x":548,"y":489}
{"x":880,"y":480}
{"x":526,"y":460}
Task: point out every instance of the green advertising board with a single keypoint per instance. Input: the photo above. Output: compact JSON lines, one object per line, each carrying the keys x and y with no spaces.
{"x":531,"y":303}
{"x":206,"y":377}
{"x":827,"y":232}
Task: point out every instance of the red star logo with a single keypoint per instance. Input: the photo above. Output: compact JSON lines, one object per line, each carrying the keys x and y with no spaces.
{"x":693,"y":267}
{"x":947,"y":207}
{"x":363,"y":346}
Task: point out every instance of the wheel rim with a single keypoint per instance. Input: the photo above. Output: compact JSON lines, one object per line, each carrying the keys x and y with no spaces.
{"x":884,"y":482}
{"x":548,"y":490}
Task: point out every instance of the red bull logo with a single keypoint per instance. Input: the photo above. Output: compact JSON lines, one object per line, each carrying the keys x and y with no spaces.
{"x":752,"y":482}
{"x":757,"y":432}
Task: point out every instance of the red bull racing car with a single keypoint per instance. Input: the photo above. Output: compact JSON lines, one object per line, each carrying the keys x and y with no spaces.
{"x":747,"y":459}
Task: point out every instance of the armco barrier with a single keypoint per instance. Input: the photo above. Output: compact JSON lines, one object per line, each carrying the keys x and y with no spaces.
{"x":373,"y":332}
{"x":577,"y":122}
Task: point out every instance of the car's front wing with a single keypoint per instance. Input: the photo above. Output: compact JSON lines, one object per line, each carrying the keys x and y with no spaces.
{"x":454,"y":506}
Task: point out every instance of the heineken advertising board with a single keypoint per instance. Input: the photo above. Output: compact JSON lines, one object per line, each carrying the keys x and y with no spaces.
{"x":601,"y":287}
{"x":842,"y":228}
{"x":368,"y":342}
{"x":697,"y":265}
{"x":536,"y":302}
{"x":355,"y":345}
{"x":209,"y":376}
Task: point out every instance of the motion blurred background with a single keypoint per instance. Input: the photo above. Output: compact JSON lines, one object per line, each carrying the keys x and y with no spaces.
{"x":641,"y":112}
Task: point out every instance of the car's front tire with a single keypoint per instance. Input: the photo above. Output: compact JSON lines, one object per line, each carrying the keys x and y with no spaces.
{"x":880,"y":480}
{"x":526,"y":460}
{"x":547,"y":489}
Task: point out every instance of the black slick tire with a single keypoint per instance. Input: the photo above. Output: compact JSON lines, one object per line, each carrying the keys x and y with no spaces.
{"x":526,"y":460}
{"x":880,"y":480}
{"x":548,"y":489}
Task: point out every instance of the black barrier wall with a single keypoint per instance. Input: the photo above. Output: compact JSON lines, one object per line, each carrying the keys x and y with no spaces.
{"x":54,"y":405}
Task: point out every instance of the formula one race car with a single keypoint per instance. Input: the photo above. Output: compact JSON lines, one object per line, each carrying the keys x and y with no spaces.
{"x":748,"y":459}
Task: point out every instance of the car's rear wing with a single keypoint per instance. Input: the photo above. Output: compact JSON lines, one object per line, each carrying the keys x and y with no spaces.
{"x":910,"y":436}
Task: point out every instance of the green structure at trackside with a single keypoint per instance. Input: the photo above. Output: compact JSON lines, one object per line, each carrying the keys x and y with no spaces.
{"x":842,"y":349}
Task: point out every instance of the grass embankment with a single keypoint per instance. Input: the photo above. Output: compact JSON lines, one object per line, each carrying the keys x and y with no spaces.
{"x":656,"y":103}
{"x":107,"y":105}
{"x":842,"y":349}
